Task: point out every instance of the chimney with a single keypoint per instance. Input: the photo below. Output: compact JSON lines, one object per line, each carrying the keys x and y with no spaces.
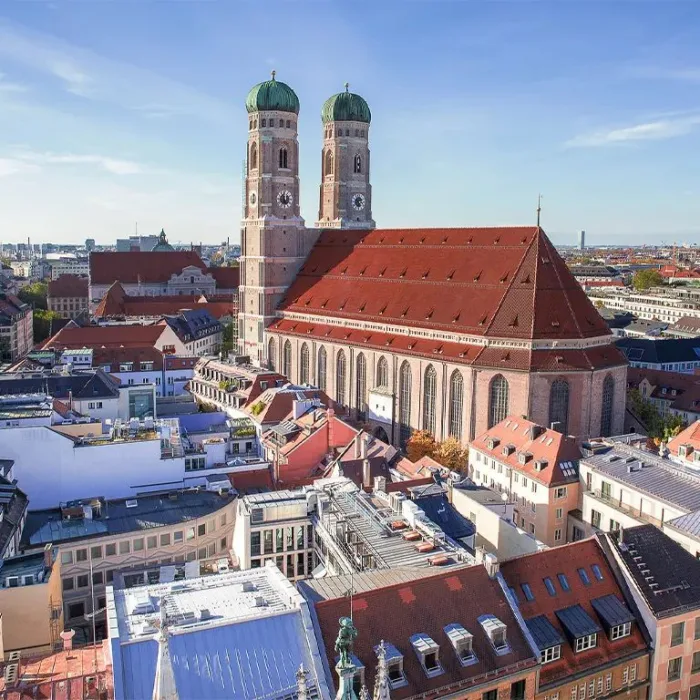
{"x":380,"y":483}
{"x":364,"y":445}
{"x":67,"y":637}
{"x":358,"y":448}
{"x":491,"y":564}
{"x":48,"y":556}
{"x":366,"y":474}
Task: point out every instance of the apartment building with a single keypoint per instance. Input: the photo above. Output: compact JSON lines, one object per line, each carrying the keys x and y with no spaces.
{"x":16,"y":328}
{"x":664,"y":580}
{"x":669,"y":354}
{"x":13,"y":511}
{"x":685,"y":447}
{"x":67,"y":295}
{"x":97,"y":537}
{"x":660,"y":305}
{"x":590,"y":640}
{"x":535,"y":468}
{"x":69,"y":266}
{"x":675,"y":393}
{"x":31,"y":606}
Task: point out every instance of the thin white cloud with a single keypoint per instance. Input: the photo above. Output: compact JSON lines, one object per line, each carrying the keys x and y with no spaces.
{"x":656,"y":130}
{"x":13,"y":166}
{"x":9,"y":86}
{"x":115,"y":166}
{"x":77,"y":81}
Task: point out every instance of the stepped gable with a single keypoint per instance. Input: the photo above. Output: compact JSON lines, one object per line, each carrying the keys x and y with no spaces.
{"x":506,"y":282}
{"x":141,"y":266}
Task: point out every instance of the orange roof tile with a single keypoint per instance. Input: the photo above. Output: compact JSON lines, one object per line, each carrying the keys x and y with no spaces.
{"x":68,"y":286}
{"x":73,"y":336}
{"x":136,"y":266}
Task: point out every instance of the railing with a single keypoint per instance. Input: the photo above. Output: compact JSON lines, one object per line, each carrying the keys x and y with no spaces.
{"x":625,"y":508}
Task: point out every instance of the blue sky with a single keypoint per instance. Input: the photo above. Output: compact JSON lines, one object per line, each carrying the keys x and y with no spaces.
{"x":118,"y":112}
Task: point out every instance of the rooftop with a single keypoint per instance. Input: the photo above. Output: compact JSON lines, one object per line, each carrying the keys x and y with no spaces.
{"x":68,"y":286}
{"x":660,"y":351}
{"x":13,"y":504}
{"x":138,"y":266}
{"x":80,"y":384}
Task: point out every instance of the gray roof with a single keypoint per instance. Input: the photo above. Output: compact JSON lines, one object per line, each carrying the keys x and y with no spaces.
{"x":149,"y":512}
{"x":665,"y":480}
{"x":577,"y":622}
{"x":87,"y":384}
{"x":612,"y":610}
{"x":544,"y":633}
{"x":688,"y":523}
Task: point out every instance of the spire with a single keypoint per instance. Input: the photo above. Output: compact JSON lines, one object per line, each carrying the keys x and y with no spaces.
{"x":164,"y":687}
{"x":345,"y":667}
{"x":364,"y":693}
{"x":381,"y":680}
{"x":302,"y":693}
{"x":273,"y":73}
{"x":347,"y":87}
{"x":539,"y":209}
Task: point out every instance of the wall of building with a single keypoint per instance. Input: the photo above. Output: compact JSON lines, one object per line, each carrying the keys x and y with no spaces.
{"x":664,"y":652}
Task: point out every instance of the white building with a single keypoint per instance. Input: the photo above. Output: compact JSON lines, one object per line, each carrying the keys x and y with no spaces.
{"x":240,"y":635}
{"x":69,"y":266}
{"x":668,"y":306}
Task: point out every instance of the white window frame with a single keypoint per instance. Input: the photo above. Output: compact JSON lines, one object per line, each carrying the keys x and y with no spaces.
{"x":620,"y":631}
{"x":587,"y":642}
{"x":550,"y":654}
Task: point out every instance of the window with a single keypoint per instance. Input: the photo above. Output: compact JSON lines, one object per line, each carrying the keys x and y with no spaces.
{"x":677,"y":633}
{"x":694,"y":692}
{"x":517,"y":690}
{"x":527,"y":591}
{"x":382,"y":373}
{"x":76,"y":610}
{"x":304,"y":364}
{"x":68,"y":583}
{"x":607,"y":406}
{"x":321,"y":376}
{"x":695,"y":667}
{"x":404,"y":403}
{"x":674,"y":668}
{"x":328,"y":163}
{"x":559,"y":513}
{"x":560,"y":492}
{"x":81,"y":555}
{"x":550,"y":654}
{"x":124,"y":547}
{"x":201,"y":529}
{"x":287,"y":360}
{"x":587,"y":642}
{"x":96,"y":552}
{"x":498,"y":400}
{"x":598,"y":573}
{"x":138,"y":545}
{"x":620,"y":631}
{"x":429,"y":397}
{"x":253,"y":158}
{"x":673,"y":696}
{"x":549,"y":586}
{"x":595,"y":519}
{"x":357,"y":165}
{"x":97,"y":578}
{"x":583,"y":575}
{"x":361,"y":386}
{"x":557,"y":535}
{"x":67,"y":557}
{"x":255,"y":544}
{"x":83,"y":581}
{"x":283,"y":157}
{"x":340,"y":367}
{"x":151,"y":542}
{"x":559,"y":405}
{"x":456,"y":404}
{"x":165,"y":540}
{"x":564,"y":582}
{"x":490,"y":695}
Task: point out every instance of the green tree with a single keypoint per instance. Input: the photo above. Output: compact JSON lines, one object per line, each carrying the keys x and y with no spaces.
{"x":660,"y":427}
{"x":42,"y":323}
{"x":645,"y":279}
{"x":227,"y":340}
{"x":35,"y":295}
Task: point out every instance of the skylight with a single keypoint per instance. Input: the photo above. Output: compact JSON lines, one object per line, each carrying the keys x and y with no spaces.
{"x":597,"y":572}
{"x":583,"y":574}
{"x":550,"y":586}
{"x":564,"y":582}
{"x":527,"y":591}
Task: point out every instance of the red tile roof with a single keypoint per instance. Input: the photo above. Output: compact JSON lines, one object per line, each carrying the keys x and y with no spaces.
{"x":548,"y":445}
{"x":113,"y":356}
{"x":278,"y":403}
{"x":226,"y":277}
{"x":427,"y":605}
{"x":68,"y":286}
{"x":74,"y":337}
{"x":568,"y":559}
{"x":254,"y":480}
{"x":495,"y":282}
{"x":136,"y":266}
{"x":689,"y":436}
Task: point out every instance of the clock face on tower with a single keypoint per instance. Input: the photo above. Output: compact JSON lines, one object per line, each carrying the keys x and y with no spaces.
{"x":284,"y":199}
{"x":358,"y":202}
{"x":253,"y":198}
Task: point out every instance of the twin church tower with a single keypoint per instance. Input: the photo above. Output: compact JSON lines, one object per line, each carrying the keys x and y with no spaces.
{"x":274,"y":238}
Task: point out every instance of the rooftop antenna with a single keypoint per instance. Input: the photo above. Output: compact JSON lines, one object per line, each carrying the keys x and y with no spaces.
{"x":539,"y":209}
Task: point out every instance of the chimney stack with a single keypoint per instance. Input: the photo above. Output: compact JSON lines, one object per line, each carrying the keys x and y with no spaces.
{"x":48,"y":556}
{"x":67,"y":637}
{"x":366,"y":474}
{"x":492,"y":565}
{"x":358,"y":446}
{"x":364,"y":445}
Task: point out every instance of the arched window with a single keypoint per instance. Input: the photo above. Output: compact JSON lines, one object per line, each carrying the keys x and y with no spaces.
{"x":340,"y":379}
{"x":559,"y":404}
{"x":498,"y":400}
{"x":383,"y":373}
{"x":429,"y":393}
{"x":321,"y":375}
{"x":253,"y":159}
{"x":404,"y":403}
{"x":606,"y":408}
{"x":304,"y":364}
{"x":328,"y":165}
{"x":287,"y":360}
{"x":357,"y":166}
{"x":361,"y":386}
{"x":456,"y":404}
{"x":271,"y":353}
{"x":283,"y":157}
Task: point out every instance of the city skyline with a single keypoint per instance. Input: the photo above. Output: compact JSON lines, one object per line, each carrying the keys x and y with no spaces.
{"x":119,"y":113}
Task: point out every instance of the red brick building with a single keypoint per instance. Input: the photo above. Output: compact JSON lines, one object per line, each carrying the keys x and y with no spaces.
{"x":68,"y":296}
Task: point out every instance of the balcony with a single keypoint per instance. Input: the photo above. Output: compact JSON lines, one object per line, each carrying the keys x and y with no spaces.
{"x":625,"y":508}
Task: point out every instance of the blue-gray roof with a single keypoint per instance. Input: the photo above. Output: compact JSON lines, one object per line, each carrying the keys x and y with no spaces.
{"x":611,"y":610}
{"x":204,"y":422}
{"x":193,"y":324}
{"x":544,"y":633}
{"x":88,"y":384}
{"x":446,"y":516}
{"x":662,"y":351}
{"x":577,"y":622}
{"x":688,"y":523}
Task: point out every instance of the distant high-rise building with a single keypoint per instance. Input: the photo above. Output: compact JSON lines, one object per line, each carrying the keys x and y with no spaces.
{"x":582,"y":240}
{"x":89,"y":244}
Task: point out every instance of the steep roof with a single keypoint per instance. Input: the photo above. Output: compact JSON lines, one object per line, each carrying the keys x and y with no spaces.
{"x":225,"y":277}
{"x":135,"y":266}
{"x":689,"y":436}
{"x":193,"y":323}
{"x":73,"y":336}
{"x":573,"y":605}
{"x":68,"y":286}
{"x":495,"y":282}
{"x":558,"y":453}
{"x":395,"y":613}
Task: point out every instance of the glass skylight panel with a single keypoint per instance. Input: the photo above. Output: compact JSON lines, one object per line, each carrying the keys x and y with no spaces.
{"x":597,"y":572}
{"x":583,"y":574}
{"x":527,"y":591}
{"x":564,"y":582}
{"x":549,"y":586}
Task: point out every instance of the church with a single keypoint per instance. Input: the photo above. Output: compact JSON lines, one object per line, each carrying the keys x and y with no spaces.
{"x":444,"y":329}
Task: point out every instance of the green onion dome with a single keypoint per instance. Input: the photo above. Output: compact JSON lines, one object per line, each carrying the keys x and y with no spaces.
{"x":345,"y":107}
{"x":272,"y":95}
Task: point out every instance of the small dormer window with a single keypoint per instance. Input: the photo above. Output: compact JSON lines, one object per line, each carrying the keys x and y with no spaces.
{"x":523,"y":457}
{"x":493,"y":442}
{"x":550,"y":654}
{"x":508,"y":450}
{"x":428,"y":653}
{"x":394,"y":664}
{"x":587,"y":642}
{"x":462,"y":643}
{"x":496,"y":633}
{"x":683,"y":451}
{"x":620,"y":631}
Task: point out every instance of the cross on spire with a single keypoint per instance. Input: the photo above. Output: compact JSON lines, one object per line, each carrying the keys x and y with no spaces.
{"x":273,"y":74}
{"x":539,"y":209}
{"x":347,"y":86}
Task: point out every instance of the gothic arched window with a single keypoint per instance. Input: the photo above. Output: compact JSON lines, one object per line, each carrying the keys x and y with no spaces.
{"x":271,"y":353}
{"x":383,"y":373}
{"x":361,"y":386}
{"x":253,"y":159}
{"x":498,"y":400}
{"x":321,"y":374}
{"x":456,"y":404}
{"x":357,"y":166}
{"x":340,"y":378}
{"x":328,"y":164}
{"x":559,"y":404}
{"x":283,"y":157}
{"x":287,"y":360}
{"x":304,"y":364}
{"x":404,"y":403}
{"x":429,"y":394}
{"x":606,"y":408}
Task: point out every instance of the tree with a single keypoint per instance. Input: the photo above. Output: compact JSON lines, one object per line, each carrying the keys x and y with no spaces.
{"x":599,"y":304}
{"x":227,"y":340}
{"x":645,"y":279}
{"x":35,"y":295}
{"x":452,"y":455}
{"x":660,"y":427}
{"x":420,"y":444}
{"x":42,"y":323}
